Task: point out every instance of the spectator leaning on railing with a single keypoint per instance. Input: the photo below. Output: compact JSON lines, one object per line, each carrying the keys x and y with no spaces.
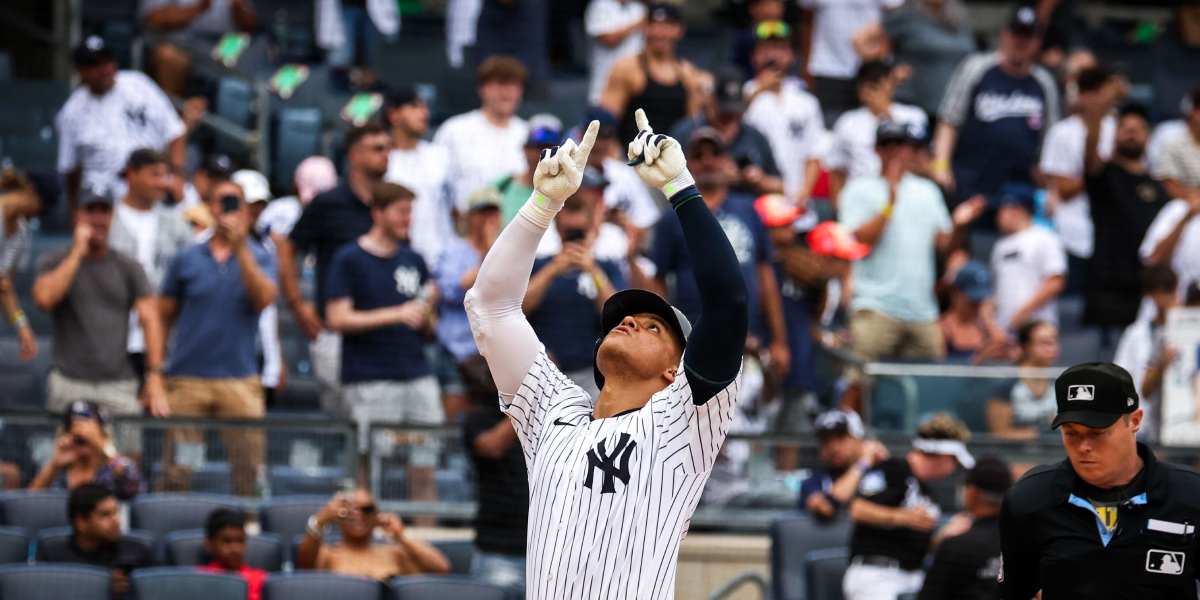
{"x":96,"y":538}
{"x":1021,"y":408}
{"x":89,"y":289}
{"x":83,"y":453}
{"x":211,"y":297}
{"x":968,"y":325}
{"x":357,"y":516}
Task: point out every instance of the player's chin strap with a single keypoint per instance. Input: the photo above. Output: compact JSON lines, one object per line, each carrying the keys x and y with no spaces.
{"x":953,"y":448}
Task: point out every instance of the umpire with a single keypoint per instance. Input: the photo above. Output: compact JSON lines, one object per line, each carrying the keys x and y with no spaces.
{"x":1110,"y":521}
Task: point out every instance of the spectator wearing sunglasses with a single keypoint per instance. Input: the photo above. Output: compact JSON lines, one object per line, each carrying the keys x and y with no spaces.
{"x":357,"y":517}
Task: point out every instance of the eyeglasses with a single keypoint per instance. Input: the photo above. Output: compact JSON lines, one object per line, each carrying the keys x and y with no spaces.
{"x":770,"y":30}
{"x":365,"y":510}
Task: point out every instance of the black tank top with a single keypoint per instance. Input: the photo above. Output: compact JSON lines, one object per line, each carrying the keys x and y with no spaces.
{"x":665,"y":105}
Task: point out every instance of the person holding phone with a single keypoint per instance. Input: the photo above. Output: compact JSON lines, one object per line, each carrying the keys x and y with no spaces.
{"x":567,"y":292}
{"x":84,"y":453}
{"x":211,"y":296}
{"x":357,"y":517}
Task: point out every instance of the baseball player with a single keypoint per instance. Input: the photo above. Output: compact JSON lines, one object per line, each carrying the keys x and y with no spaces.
{"x":614,"y":479}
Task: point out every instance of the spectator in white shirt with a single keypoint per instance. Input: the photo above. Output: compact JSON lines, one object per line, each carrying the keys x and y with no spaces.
{"x":182,"y":25}
{"x":1062,"y":163}
{"x":1178,"y":165}
{"x":1143,"y":349}
{"x":784,"y":112}
{"x":1028,"y":261}
{"x":147,"y":231}
{"x":422,"y":167}
{"x":625,"y":192}
{"x":832,"y":59}
{"x":1173,"y":240}
{"x":109,"y":116}
{"x":485,"y":144}
{"x":615,"y":27}
{"x":853,"y":151}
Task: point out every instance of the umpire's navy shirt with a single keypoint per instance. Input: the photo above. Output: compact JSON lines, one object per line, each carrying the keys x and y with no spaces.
{"x":392,"y":353}
{"x":333,"y":219}
{"x":1052,"y":541}
{"x":568,"y":320}
{"x":215,"y":334}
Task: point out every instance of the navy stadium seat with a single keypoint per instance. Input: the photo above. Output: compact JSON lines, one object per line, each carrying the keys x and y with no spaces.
{"x":185,"y":583}
{"x":317,"y":585}
{"x":34,"y":510}
{"x":825,"y":570}
{"x":54,"y":582}
{"x":184,"y":548}
{"x":440,"y":588}
{"x":14,"y":545}
{"x":792,"y":539}
{"x":161,"y":514}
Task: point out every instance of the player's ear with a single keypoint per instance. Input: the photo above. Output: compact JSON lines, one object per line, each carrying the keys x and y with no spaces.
{"x":669,"y":375}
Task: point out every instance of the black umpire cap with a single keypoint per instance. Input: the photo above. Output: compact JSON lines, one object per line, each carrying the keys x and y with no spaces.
{"x":635,"y":302}
{"x":1094,"y":394}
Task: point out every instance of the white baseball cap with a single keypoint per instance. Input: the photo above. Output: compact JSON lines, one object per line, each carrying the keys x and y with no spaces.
{"x":254,"y":185}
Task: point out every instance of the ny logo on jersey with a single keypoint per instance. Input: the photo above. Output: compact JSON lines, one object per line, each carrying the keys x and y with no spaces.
{"x":598,"y":458}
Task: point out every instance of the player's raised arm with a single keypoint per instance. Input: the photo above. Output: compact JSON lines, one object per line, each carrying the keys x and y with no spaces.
{"x":493,"y":304}
{"x":714,"y":348}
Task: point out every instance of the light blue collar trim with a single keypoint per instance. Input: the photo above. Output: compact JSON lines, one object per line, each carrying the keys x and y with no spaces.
{"x":1105,"y":534}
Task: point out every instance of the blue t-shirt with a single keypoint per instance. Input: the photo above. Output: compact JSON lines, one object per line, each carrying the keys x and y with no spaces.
{"x":797,"y":304}
{"x":393,"y":353}
{"x":747,"y":235}
{"x":1001,"y":120}
{"x":216,"y":327}
{"x":568,"y":320}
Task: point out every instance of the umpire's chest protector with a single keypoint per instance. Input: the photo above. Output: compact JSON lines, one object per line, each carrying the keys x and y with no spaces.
{"x":1150,"y":553}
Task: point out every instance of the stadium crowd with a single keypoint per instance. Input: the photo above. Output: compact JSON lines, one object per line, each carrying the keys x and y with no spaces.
{"x":892,"y":188}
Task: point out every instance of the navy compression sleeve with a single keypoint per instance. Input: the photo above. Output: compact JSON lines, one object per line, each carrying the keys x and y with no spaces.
{"x":714,"y":349}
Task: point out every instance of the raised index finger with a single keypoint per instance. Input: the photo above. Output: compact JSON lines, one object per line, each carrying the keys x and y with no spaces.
{"x":585,"y":144}
{"x":639,"y":118}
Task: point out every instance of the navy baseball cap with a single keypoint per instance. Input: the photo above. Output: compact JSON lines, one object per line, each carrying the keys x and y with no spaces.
{"x":402,"y":96}
{"x":96,"y":196}
{"x":93,"y":50}
{"x":974,"y":280}
{"x":218,"y":166}
{"x":1023,"y":20}
{"x":83,"y":410}
{"x":544,"y":131}
{"x":635,"y":302}
{"x":839,"y":422}
{"x":660,"y":12}
{"x":896,"y":132}
{"x":1094,"y":394}
{"x":728,"y":91}
{"x":1017,"y":194}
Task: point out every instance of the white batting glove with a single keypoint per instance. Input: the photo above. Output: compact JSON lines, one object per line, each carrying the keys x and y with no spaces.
{"x":560,"y":171}
{"x":658,"y":159}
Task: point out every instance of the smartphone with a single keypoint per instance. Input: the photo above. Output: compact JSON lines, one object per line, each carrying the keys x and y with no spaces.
{"x":230,"y":203}
{"x":79,"y":440}
{"x":573,"y":235}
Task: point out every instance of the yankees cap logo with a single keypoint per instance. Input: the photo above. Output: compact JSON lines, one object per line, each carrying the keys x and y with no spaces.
{"x":1081,"y":393}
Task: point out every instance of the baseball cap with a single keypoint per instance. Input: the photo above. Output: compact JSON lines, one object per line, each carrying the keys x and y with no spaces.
{"x":93,"y":50}
{"x":637,"y":301}
{"x":608,"y":123}
{"x":1023,"y":20}
{"x":1017,"y":194}
{"x":403,"y":95}
{"x":974,"y":280}
{"x":831,"y":239}
{"x":990,"y":475}
{"x":143,"y":157}
{"x":776,"y":211}
{"x":93,"y":195}
{"x":217,"y":166}
{"x":706,"y":134}
{"x":254,"y":185}
{"x":662,"y":12}
{"x":83,"y":410}
{"x":484,"y":197}
{"x":1094,"y":394}
{"x":544,"y":130}
{"x":839,"y":422}
{"x":728,"y":91}
{"x":593,"y":178}
{"x":890,"y":132}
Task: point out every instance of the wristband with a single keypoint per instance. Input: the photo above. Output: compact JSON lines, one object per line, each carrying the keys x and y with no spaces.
{"x":19,"y":320}
{"x":312,"y":529}
{"x":681,"y":182}
{"x":863,"y":465}
{"x":887,"y":211}
{"x":940,"y":165}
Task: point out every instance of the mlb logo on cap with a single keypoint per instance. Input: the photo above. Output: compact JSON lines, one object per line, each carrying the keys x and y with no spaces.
{"x":1077,"y":393}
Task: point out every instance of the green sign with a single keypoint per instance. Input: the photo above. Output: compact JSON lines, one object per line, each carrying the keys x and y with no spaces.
{"x":289,"y":77}
{"x":230,"y":48}
{"x":361,"y":107}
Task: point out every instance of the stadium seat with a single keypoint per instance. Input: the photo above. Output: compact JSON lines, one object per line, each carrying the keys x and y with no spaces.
{"x":235,"y":101}
{"x":186,"y":548}
{"x":824,"y":570}
{"x":211,"y":478}
{"x":292,"y":481}
{"x":54,"y":582}
{"x":316,"y":585}
{"x":34,"y":510}
{"x":460,"y":553}
{"x":440,"y":588}
{"x":53,"y":539}
{"x":14,"y":545}
{"x":792,"y":539}
{"x":161,"y":514}
{"x":893,"y":404}
{"x":297,"y":137}
{"x":185,"y":583}
{"x":286,"y":517}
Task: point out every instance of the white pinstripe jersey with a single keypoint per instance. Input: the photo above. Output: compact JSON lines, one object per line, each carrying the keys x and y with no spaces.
{"x":611,"y":499}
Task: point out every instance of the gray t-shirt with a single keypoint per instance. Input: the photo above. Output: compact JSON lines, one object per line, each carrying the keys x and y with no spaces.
{"x":91,"y":323}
